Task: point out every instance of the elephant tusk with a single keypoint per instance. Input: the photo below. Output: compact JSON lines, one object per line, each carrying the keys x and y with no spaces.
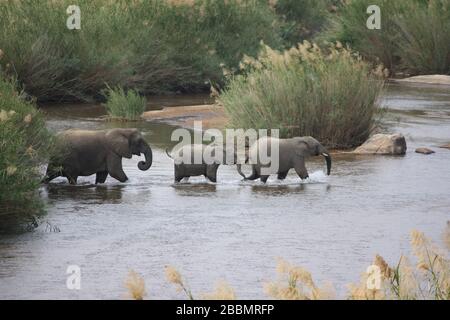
{"x":325,"y":154}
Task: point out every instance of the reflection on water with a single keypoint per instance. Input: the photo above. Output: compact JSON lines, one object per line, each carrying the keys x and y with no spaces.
{"x":234,"y":229}
{"x":85,"y":193}
{"x":197,"y":189}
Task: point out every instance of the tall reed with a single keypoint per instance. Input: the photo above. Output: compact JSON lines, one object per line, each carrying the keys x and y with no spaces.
{"x":24,"y":146}
{"x":124,"y":104}
{"x":414,"y":36}
{"x":328,"y":94}
{"x":155,"y":46}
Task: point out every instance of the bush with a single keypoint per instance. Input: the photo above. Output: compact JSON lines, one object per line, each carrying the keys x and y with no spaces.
{"x":305,"y":91}
{"x":24,"y":145}
{"x":155,"y":46}
{"x":424,"y":41}
{"x":414,"y":35}
{"x":301,"y":19}
{"x":124,"y":105}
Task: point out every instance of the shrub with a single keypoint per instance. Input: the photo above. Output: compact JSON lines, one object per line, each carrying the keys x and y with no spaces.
{"x":24,"y":145}
{"x":424,"y":40}
{"x":330,"y":95}
{"x":414,"y":35}
{"x":301,"y":19}
{"x":124,"y":105}
{"x":155,"y":46}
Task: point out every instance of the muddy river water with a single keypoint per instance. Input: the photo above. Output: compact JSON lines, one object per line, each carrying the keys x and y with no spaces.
{"x":234,"y":230}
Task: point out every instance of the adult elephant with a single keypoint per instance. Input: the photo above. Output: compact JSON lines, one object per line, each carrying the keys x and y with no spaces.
{"x":292,"y":155}
{"x":85,"y":152}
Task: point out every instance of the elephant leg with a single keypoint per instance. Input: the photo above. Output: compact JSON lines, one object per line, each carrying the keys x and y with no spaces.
{"x":178,"y":172}
{"x":178,"y":179}
{"x":114,"y":165}
{"x":282,"y":175}
{"x":50,"y":175}
{"x":264,"y":178}
{"x":212,"y":179}
{"x":101,"y":176}
{"x":301,"y":170}
{"x":70,"y":176}
{"x":53,"y":171}
{"x":255,"y":175}
{"x":72,"y":179}
{"x":211,"y":172}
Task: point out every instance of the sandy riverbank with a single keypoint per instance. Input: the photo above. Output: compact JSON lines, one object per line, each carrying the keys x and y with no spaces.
{"x":434,"y":79}
{"x":212,"y":116}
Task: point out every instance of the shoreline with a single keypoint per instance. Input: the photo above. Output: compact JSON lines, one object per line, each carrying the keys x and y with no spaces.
{"x":211,"y":115}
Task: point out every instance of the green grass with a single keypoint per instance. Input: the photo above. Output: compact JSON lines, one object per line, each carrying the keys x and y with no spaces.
{"x":24,"y":145}
{"x":414,"y":36}
{"x":302,"y":19}
{"x":124,"y":104}
{"x":151,"y":45}
{"x":330,"y":95}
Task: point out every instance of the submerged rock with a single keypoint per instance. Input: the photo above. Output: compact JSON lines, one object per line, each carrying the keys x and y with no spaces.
{"x":389,"y":144}
{"x":424,"y":151}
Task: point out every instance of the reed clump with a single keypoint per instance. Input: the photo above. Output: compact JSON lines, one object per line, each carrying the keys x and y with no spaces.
{"x":296,"y":283}
{"x":427,"y":278}
{"x":329,"y":94}
{"x":124,"y":104}
{"x":414,"y":36}
{"x":135,"y":285}
{"x":25,"y":144}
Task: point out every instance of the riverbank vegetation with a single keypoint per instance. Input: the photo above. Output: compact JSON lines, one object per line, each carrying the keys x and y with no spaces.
{"x":123,"y":104}
{"x":425,"y":276}
{"x":414,"y":37}
{"x":153,"y":46}
{"x":162,"y":46}
{"x":24,"y":145}
{"x":328,"y":94}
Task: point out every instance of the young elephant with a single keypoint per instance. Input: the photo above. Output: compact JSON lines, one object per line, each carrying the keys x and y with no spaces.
{"x":84,"y":153}
{"x":292,"y":154}
{"x":190,"y":161}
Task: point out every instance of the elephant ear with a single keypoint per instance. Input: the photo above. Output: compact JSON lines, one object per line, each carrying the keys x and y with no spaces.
{"x":304,"y":146}
{"x":119,"y":143}
{"x":216,"y":152}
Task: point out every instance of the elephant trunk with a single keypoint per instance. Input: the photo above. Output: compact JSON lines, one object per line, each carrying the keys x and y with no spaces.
{"x":328,"y":160}
{"x":239,"y":169}
{"x":147,"y":151}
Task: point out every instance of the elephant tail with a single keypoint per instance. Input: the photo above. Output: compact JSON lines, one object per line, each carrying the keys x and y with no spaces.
{"x":239,"y":169}
{"x":253,"y":176}
{"x":168,"y":153}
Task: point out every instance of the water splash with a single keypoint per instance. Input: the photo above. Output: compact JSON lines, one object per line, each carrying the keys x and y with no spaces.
{"x":318,"y":177}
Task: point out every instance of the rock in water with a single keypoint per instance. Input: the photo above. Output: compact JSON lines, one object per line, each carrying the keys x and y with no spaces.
{"x":424,"y":151}
{"x":390,"y":144}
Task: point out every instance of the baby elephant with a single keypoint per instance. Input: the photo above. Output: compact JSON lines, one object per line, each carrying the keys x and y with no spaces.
{"x":84,"y":153}
{"x":190,"y":161}
{"x":292,"y":154}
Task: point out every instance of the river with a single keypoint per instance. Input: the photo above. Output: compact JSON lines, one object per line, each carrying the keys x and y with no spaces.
{"x":234,"y":230}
